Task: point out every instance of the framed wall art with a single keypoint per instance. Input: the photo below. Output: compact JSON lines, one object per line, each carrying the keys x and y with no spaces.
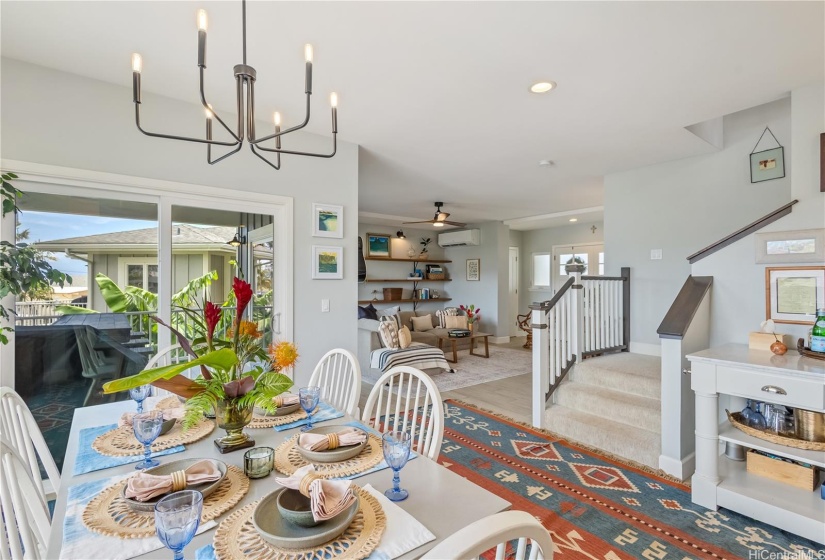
{"x":327,"y":263}
{"x":327,"y":220}
{"x":799,"y":246}
{"x":379,"y":246}
{"x":793,"y":294}
{"x":767,"y":164}
{"x":473,"y":270}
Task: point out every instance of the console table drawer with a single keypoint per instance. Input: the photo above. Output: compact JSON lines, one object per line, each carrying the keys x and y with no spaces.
{"x":803,"y":393}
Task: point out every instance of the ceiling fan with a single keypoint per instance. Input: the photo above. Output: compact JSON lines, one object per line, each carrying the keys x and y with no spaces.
{"x":439,"y":219}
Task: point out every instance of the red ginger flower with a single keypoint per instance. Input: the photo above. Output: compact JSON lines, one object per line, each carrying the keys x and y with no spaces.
{"x":243,"y":294}
{"x":212,"y":315}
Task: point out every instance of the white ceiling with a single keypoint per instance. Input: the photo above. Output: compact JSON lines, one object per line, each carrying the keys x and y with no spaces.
{"x":436,"y":93}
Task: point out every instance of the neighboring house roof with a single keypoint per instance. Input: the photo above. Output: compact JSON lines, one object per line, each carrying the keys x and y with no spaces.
{"x":183,"y":237}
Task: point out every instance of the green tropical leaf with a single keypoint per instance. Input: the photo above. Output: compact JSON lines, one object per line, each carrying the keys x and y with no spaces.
{"x":74,"y":310}
{"x":220,"y":359}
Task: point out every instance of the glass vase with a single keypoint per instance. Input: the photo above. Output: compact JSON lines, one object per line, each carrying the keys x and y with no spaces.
{"x":233,"y":418}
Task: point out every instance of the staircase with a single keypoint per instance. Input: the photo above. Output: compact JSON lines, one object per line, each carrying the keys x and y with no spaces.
{"x":612,"y":403}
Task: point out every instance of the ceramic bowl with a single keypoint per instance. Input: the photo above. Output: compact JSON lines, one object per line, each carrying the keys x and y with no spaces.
{"x":280,"y":411}
{"x":295,"y":507}
{"x":167,"y":426}
{"x":330,"y":455}
{"x":205,"y":488}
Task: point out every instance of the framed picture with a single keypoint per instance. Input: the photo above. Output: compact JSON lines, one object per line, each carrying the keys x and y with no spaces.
{"x":767,"y":165}
{"x":473,"y":270}
{"x":327,"y":263}
{"x":793,"y":294}
{"x":327,"y":220}
{"x":800,"y":246}
{"x":379,"y":246}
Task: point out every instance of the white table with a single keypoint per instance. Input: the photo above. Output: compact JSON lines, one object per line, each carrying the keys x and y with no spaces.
{"x":440,"y":499}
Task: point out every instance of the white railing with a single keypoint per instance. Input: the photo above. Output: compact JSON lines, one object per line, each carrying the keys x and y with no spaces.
{"x":588,"y":315}
{"x":38,"y":312}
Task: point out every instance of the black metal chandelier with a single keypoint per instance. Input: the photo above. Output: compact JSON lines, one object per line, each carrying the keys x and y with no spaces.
{"x":245,"y":86}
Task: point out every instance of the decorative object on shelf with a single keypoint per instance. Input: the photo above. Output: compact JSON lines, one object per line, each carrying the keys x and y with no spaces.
{"x":473,"y":270}
{"x":791,"y":293}
{"x":768,"y":337}
{"x":237,"y":373}
{"x":799,"y":246}
{"x":327,"y":220}
{"x":244,"y":79}
{"x":327,"y":263}
{"x":379,"y":246}
{"x":392,"y":293}
{"x":425,"y":244}
{"x":767,"y":164}
{"x":439,"y":219}
{"x":362,"y":264}
{"x":818,"y":332}
{"x":738,"y":422}
{"x":435,"y":272}
{"x":781,"y":469}
{"x":375,"y":295}
{"x":411,"y":252}
{"x":809,"y":425}
{"x":473,"y":315}
{"x":806,"y":350}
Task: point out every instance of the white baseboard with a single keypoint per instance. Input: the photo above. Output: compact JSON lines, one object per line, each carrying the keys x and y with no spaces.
{"x":644,"y":348}
{"x":499,"y":339}
{"x":681,"y":469}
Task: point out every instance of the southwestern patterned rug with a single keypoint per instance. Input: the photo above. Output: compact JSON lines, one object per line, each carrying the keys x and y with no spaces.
{"x":598,"y":508}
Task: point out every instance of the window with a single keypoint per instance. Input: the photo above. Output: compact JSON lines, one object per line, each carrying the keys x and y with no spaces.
{"x":590,"y":255}
{"x":140,"y":272}
{"x":541,"y":271}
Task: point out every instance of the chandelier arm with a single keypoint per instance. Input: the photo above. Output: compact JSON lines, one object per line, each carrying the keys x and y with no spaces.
{"x":208,"y":107}
{"x":294,"y":153}
{"x":211,"y":161}
{"x":278,"y":166}
{"x":173,"y":137}
{"x":288,"y":130}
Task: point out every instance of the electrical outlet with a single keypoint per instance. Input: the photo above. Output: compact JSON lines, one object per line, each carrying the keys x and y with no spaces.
{"x":655,"y":254}
{"x":324,"y":306}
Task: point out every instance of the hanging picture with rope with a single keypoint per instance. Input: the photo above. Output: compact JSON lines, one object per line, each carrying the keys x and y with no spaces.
{"x":767,"y":164}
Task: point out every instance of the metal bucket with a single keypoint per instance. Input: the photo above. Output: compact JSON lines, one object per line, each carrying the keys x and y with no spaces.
{"x":810,"y":425}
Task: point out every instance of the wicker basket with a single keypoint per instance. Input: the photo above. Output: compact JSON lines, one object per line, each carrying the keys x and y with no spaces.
{"x":736,"y":420}
{"x":392,"y":293}
{"x":440,"y":276}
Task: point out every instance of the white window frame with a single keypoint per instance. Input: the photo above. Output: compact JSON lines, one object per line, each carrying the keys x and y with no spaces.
{"x":540,"y":287}
{"x":589,"y":248}
{"x":122,"y":269}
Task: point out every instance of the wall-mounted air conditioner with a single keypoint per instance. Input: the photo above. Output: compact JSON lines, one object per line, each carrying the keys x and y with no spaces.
{"x":456,"y":238}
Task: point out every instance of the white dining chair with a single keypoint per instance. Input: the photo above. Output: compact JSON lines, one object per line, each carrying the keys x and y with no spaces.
{"x":414,"y":402}
{"x":20,"y":429}
{"x":24,"y":518}
{"x":339,"y":376}
{"x":495,"y":531}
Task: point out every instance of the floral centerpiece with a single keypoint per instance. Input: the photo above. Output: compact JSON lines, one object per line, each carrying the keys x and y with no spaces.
{"x":473,"y":315}
{"x":237,"y":372}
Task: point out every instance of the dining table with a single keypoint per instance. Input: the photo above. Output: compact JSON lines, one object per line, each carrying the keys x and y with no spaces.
{"x":440,"y":499}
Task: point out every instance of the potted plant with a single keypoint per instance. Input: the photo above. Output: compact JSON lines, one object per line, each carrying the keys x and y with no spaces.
{"x":425,"y":242}
{"x":237,"y":373}
{"x":473,"y":315}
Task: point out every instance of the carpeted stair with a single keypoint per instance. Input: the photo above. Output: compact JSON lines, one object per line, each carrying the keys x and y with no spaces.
{"x":612,"y":403}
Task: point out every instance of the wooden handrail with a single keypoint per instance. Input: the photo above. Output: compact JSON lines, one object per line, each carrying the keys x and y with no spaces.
{"x":548,"y":305}
{"x":678,"y":318}
{"x":740,"y":233}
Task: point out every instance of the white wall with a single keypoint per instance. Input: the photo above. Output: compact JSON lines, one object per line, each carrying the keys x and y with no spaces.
{"x":738,"y":293}
{"x":683,"y":206}
{"x":61,"y":119}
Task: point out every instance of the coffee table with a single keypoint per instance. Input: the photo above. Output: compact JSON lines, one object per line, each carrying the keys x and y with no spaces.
{"x":472,"y":338}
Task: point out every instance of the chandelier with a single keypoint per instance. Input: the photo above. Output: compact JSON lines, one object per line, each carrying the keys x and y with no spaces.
{"x":245,"y":92}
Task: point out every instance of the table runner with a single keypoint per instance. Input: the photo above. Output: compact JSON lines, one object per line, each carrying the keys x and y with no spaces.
{"x":79,"y":542}
{"x":322,"y":413}
{"x":89,"y":460}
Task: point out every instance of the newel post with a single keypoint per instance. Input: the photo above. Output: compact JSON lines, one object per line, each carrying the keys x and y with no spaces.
{"x":541,"y":361}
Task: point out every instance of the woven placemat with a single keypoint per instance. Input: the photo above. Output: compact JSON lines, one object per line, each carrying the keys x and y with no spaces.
{"x":236,"y":536}
{"x":272,"y":421}
{"x":171,"y":401}
{"x":288,"y":459}
{"x":108,"y":513}
{"x":121,"y":441}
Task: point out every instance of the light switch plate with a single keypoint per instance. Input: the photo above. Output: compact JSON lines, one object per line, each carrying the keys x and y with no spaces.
{"x":324,"y":306}
{"x":655,"y":254}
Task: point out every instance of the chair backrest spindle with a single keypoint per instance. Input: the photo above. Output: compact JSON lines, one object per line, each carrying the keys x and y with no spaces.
{"x":339,"y":376}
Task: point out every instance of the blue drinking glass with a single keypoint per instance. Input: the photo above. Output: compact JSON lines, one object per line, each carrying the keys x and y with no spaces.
{"x":396,"y":452}
{"x":147,"y":428}
{"x":309,"y":397}
{"x":758,"y":419}
{"x":177,"y":517}
{"x":139,"y":394}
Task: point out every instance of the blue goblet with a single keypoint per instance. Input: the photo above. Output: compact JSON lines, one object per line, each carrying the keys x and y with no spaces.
{"x":309,"y":397}
{"x":147,"y":428}
{"x":139,"y":394}
{"x":396,"y":452}
{"x":177,"y":517}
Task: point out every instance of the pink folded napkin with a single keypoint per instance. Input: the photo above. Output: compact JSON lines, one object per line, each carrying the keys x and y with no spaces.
{"x":341,"y":438}
{"x":327,"y":498}
{"x":287,"y":399}
{"x":142,"y":486}
{"x":168,"y":413}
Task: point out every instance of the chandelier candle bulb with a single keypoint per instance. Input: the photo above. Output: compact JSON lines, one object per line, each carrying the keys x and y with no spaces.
{"x":277,"y":130}
{"x":137,"y":66}
{"x":333,"y":100}
{"x":308,"y":52}
{"x":202,"y":20}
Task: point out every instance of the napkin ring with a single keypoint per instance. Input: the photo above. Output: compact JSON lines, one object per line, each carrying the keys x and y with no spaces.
{"x":178,"y":481}
{"x":306,"y":482}
{"x":332,"y":441}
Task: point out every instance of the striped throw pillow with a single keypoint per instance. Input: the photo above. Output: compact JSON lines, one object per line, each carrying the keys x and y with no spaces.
{"x":388,"y":333}
{"x":442,"y":314}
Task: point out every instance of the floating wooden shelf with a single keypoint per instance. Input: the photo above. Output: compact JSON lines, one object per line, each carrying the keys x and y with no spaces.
{"x":403,"y":300}
{"x":406,"y":280}
{"x":408,"y":260}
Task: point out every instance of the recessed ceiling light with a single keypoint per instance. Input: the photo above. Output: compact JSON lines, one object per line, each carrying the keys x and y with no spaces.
{"x":542,"y":87}
{"x":547,"y":163}
{"x":574,"y":219}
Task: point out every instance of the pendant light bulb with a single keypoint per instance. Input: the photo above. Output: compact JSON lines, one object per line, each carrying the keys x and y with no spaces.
{"x":277,"y":118}
{"x":137,"y":63}
{"x":208,"y":112}
{"x":333,"y":100}
{"x":438,"y":224}
{"x":308,"y":52}
{"x":202,"y":20}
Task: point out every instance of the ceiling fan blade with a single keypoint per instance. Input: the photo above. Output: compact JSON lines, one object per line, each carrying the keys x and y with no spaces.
{"x":459,"y":224}
{"x":441,"y":216}
{"x":424,"y":222}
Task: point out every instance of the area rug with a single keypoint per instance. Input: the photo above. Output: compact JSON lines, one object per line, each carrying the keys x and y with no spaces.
{"x":472,"y":370}
{"x":596,"y":507}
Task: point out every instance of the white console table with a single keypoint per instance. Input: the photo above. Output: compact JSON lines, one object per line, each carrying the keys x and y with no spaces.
{"x":791,"y":380}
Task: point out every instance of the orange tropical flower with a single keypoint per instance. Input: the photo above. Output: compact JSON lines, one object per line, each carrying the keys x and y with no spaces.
{"x":247,"y":328}
{"x":284,"y":355}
